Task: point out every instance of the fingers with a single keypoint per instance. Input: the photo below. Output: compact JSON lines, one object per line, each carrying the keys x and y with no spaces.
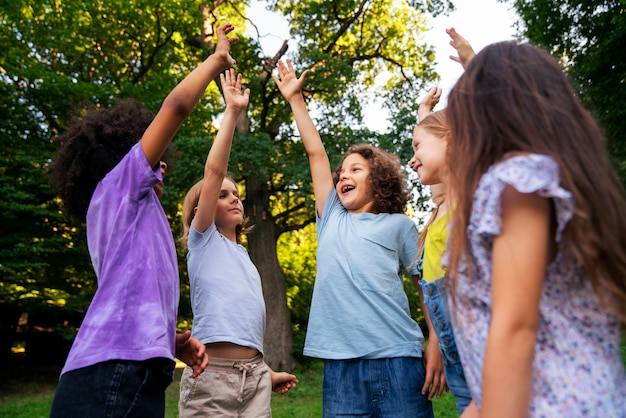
{"x":225,"y":29}
{"x":229,"y":79}
{"x":434,"y":387}
{"x":283,"y":382}
{"x":437,"y":95}
{"x":200,"y":366}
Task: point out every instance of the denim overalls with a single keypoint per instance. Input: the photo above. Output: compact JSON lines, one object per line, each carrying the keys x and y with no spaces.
{"x":435,"y":301}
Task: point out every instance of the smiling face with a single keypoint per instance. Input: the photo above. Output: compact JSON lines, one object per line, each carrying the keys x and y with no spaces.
{"x":429,"y":159}
{"x":354,"y":188}
{"x":229,"y":210}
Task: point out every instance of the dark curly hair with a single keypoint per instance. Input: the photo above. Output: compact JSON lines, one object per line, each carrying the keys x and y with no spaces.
{"x":91,"y":147}
{"x":387,"y":178}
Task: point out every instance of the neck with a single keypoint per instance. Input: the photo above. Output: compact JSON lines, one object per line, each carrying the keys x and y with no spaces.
{"x":442,"y":207}
{"x":231,"y":235}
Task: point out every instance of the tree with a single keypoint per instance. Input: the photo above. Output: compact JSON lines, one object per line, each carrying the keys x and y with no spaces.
{"x":63,"y":54}
{"x":58,"y":56}
{"x":589,"y":38}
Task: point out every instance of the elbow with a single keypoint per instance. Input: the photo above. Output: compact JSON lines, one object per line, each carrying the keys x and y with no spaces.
{"x":521,"y":333}
{"x":210,"y":171}
{"x":178,"y":105}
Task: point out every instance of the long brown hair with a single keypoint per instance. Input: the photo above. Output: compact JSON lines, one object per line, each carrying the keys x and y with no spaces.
{"x":515,"y":98}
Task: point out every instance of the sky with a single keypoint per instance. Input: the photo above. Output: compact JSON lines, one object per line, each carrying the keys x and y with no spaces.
{"x":481,"y":22}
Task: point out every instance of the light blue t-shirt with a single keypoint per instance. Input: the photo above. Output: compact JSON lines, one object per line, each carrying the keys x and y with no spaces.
{"x":226,"y":291}
{"x":133,"y":313}
{"x":359,"y":307}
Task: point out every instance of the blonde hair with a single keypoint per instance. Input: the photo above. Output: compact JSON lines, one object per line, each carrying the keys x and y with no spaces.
{"x":190,"y":203}
{"x":436,"y":124}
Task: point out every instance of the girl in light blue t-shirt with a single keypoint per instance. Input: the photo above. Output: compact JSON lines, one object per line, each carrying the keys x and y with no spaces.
{"x":226,"y":293}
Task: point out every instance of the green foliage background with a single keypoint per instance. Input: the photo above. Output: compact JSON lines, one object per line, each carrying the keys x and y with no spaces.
{"x":58,"y":56}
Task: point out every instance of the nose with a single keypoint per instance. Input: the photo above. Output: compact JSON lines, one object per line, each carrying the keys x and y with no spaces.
{"x":413,"y":162}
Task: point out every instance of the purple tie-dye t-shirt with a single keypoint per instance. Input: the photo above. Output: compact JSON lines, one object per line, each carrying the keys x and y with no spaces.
{"x":133,"y":313}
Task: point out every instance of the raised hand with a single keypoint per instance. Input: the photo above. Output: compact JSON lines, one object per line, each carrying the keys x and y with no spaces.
{"x":463,"y":48}
{"x":289,"y":85}
{"x":429,"y":102}
{"x":231,"y":87}
{"x":222,"y":49}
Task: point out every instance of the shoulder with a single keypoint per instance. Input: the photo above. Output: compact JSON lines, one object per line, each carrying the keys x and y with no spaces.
{"x":525,"y":173}
{"x":199,"y":239}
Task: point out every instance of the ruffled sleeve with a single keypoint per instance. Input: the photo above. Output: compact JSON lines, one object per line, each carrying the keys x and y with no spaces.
{"x":527,"y":174}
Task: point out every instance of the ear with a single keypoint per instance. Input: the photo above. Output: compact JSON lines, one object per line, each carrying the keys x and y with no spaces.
{"x":195,"y":210}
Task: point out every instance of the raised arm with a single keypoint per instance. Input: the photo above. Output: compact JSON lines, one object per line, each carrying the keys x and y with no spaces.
{"x":291,"y":88}
{"x":463,"y":48}
{"x":216,"y":165}
{"x":179,"y":104}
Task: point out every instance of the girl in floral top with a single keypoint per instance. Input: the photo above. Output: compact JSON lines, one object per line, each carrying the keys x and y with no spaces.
{"x":536,"y":253}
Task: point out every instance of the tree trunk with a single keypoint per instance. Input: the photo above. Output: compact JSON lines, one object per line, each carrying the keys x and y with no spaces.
{"x":262,"y":247}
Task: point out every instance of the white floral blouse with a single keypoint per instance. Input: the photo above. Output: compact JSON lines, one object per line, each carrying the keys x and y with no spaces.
{"x":577,"y":370}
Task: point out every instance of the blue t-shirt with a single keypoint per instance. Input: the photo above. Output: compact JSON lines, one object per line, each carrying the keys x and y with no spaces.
{"x":359,"y":307}
{"x":133,"y":313}
{"x":226,"y":292}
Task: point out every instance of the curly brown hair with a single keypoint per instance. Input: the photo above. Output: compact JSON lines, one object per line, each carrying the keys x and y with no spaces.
{"x":91,"y":147}
{"x":387,"y":178}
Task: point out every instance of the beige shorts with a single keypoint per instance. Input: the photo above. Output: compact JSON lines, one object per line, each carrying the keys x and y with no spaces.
{"x":227,"y":388}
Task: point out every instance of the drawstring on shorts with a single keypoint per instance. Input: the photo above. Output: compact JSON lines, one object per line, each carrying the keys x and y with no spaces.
{"x":244,"y":368}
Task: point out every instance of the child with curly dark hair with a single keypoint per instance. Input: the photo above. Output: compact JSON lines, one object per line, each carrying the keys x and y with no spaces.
{"x":360,"y":323}
{"x":109,"y":173}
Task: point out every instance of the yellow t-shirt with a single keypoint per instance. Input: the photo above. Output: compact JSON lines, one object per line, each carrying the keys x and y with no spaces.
{"x":434,"y":246}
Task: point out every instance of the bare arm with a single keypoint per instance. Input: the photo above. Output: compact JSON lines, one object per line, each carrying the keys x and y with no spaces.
{"x":216,"y":164}
{"x":181,"y":101}
{"x":291,"y":88}
{"x":520,"y":255}
{"x":435,"y":377}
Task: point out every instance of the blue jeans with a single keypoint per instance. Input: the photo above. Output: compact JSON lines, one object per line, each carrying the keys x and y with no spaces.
{"x":381,"y":388}
{"x":435,"y":300}
{"x":116,"y":388}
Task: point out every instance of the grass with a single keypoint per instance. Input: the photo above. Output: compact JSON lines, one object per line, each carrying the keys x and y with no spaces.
{"x":28,"y":393}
